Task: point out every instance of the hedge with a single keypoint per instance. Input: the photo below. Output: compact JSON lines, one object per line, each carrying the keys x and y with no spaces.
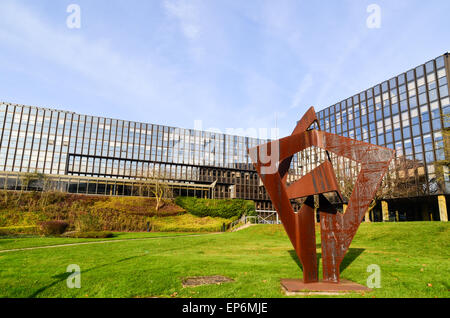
{"x":83,"y":213}
{"x":116,"y":214}
{"x":13,"y":230}
{"x":94,"y":234}
{"x":53,"y":227}
{"x":223,"y":208}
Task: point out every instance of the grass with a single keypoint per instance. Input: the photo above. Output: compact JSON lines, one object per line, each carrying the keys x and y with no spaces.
{"x":414,"y":261}
{"x":30,"y":241}
{"x":189,"y":223}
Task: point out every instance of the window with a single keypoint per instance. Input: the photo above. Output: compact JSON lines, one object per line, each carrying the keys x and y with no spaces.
{"x":419,"y":71}
{"x":418,"y":142}
{"x":388,"y":138}
{"x":394,"y":109}
{"x":423,"y":99}
{"x":403,"y":106}
{"x":416,"y":130}
{"x":405,"y":116}
{"x":377,"y":90}
{"x":429,"y":156}
{"x":433,"y":95}
{"x":410,"y":76}
{"x":437,"y":124}
{"x":440,"y":62}
{"x":445,"y":102}
{"x":425,"y":115}
{"x":440,"y":155}
{"x":378,"y":115}
{"x":429,"y":66}
{"x":408,"y":147}
{"x":443,"y":91}
{"x":393,"y":83}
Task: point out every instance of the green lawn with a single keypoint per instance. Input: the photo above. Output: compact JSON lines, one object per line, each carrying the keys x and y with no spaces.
{"x":414,"y":261}
{"x":30,"y":241}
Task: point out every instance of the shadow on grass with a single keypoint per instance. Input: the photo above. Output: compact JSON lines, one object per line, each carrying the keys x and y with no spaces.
{"x":350,"y":256}
{"x":63,"y":276}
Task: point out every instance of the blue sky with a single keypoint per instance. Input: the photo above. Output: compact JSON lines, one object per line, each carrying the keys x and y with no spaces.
{"x":231,"y":63}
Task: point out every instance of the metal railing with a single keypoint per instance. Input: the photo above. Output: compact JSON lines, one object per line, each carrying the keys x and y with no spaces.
{"x":267,"y":217}
{"x":243,"y":220}
{"x":257,"y":219}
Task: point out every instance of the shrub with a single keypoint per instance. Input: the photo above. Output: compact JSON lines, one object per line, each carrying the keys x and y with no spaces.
{"x":102,"y":213}
{"x":188,"y":223}
{"x":96,"y":234}
{"x":138,"y":206}
{"x":53,"y":227}
{"x":87,"y":222}
{"x":226,"y":208}
{"x":13,"y":230}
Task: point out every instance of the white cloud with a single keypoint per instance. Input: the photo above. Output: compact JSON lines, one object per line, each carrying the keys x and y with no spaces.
{"x":149,"y":86}
{"x":186,"y":14}
{"x":305,"y":85}
{"x":96,"y":60}
{"x":335,"y":71}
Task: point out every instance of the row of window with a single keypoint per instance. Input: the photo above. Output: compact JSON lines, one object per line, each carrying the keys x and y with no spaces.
{"x":406,"y":113}
{"x":32,"y":137}
{"x":390,"y":86}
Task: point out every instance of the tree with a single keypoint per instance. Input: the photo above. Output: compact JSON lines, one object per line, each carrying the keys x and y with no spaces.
{"x":404,"y":179}
{"x":29,"y":178}
{"x":154,"y":183}
{"x":443,"y":166}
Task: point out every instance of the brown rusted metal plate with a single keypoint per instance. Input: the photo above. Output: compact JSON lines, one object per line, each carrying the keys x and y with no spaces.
{"x":322,"y":179}
{"x":272,"y":161}
{"x":297,"y":285}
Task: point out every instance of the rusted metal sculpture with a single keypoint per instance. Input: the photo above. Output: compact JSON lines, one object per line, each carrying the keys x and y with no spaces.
{"x":272,"y":162}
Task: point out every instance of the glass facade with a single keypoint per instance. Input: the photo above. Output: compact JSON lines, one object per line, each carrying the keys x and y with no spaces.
{"x":406,"y":113}
{"x":55,"y":142}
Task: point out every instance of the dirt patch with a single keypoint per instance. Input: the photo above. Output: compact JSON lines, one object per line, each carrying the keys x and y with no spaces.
{"x":205,"y":280}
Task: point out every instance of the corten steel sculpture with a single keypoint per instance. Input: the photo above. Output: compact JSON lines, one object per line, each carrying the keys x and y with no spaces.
{"x":272,"y":162}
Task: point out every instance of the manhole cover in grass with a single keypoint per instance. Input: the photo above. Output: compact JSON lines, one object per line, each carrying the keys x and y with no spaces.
{"x":205,"y":280}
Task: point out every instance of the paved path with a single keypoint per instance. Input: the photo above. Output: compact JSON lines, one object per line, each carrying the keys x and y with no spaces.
{"x":243,"y":227}
{"x":104,"y":242}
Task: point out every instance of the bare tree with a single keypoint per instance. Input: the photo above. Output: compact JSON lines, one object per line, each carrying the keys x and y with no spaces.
{"x":153,"y":182}
{"x":5,"y":189}
{"x":29,"y":178}
{"x":44,"y":184}
{"x":443,"y":166}
{"x":405,"y":178}
{"x":402,"y":180}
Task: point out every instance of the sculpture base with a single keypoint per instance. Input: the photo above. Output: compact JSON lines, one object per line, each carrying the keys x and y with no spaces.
{"x":294,"y":287}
